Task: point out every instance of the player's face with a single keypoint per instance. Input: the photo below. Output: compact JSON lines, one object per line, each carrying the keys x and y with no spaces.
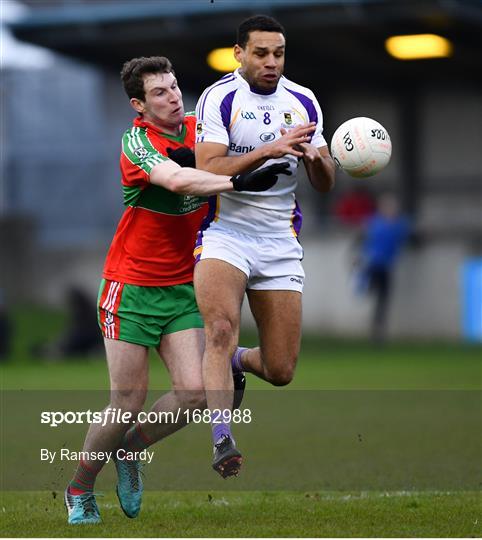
{"x":162,"y":105}
{"x":262,"y":60}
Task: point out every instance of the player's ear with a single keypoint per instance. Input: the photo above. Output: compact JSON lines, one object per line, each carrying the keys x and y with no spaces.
{"x":138,"y":105}
{"x":238,"y":51}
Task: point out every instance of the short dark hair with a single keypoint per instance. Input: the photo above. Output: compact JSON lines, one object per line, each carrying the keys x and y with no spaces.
{"x":133,"y":70}
{"x":263,"y":23}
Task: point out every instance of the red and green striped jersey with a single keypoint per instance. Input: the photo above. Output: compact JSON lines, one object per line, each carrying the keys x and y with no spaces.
{"x":154,"y":240}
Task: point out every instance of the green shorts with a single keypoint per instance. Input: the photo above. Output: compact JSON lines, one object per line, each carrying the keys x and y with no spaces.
{"x":142,"y":315}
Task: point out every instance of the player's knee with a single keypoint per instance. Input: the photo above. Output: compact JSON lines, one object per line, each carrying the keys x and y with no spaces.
{"x":220,"y":333}
{"x":194,"y":398}
{"x":280,"y":376}
{"x":130,"y":400}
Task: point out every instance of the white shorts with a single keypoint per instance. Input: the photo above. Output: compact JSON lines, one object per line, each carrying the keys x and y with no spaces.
{"x":269,"y":263}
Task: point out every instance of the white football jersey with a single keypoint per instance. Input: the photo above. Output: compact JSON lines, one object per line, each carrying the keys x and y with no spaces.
{"x":231,"y":113}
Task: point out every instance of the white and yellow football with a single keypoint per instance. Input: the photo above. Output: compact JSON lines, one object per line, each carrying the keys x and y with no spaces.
{"x":361,"y":147}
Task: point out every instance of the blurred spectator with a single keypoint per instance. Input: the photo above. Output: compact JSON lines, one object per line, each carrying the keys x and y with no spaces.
{"x":383,"y":237}
{"x":81,"y":336}
{"x":355,"y":206}
{"x":5,"y":329}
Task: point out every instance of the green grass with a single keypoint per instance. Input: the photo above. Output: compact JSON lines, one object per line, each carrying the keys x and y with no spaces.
{"x":332,"y":365}
{"x":286,"y":514}
{"x":323,"y":363}
{"x":341,"y":431}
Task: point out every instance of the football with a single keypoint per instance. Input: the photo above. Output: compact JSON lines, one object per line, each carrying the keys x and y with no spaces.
{"x":361,"y":147}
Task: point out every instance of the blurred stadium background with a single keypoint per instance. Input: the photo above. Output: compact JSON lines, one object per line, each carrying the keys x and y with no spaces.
{"x":63,"y":113}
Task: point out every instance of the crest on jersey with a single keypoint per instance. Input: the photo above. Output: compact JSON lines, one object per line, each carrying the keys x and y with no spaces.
{"x":288,"y":119}
{"x":199,"y":128}
{"x":141,"y":152}
{"x":268,"y":136}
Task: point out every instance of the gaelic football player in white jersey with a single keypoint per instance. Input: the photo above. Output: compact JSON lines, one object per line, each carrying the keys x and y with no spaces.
{"x":248,"y":242}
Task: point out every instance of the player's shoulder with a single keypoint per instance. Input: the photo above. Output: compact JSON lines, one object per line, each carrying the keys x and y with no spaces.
{"x":291,"y":86}
{"x":220,"y":88}
{"x":190,"y":118}
{"x":190,"y":121}
{"x":137,"y":143}
{"x":133,"y":133}
{"x":227,"y":81}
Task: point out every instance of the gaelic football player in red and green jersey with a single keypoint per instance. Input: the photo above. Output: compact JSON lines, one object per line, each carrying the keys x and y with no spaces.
{"x":146,"y":298}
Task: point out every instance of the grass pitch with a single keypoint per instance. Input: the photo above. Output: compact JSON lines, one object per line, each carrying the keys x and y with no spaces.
{"x":324,"y":365}
{"x":255,"y":514}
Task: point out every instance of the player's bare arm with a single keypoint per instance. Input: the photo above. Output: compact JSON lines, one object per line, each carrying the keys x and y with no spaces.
{"x":187,"y":181}
{"x":320,"y":167}
{"x":212,"y":156}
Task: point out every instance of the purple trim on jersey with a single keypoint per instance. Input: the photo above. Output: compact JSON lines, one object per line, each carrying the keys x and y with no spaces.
{"x":226,"y":107}
{"x":307,"y":104}
{"x":263,"y":92}
{"x":215,"y":85}
{"x":297,"y":218}
{"x":212,"y":203}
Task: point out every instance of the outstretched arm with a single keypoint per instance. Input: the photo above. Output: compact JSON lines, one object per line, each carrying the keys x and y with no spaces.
{"x":187,"y":181}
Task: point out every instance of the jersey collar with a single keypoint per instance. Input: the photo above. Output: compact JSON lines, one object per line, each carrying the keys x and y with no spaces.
{"x":248,"y":87}
{"x":140,"y":122}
